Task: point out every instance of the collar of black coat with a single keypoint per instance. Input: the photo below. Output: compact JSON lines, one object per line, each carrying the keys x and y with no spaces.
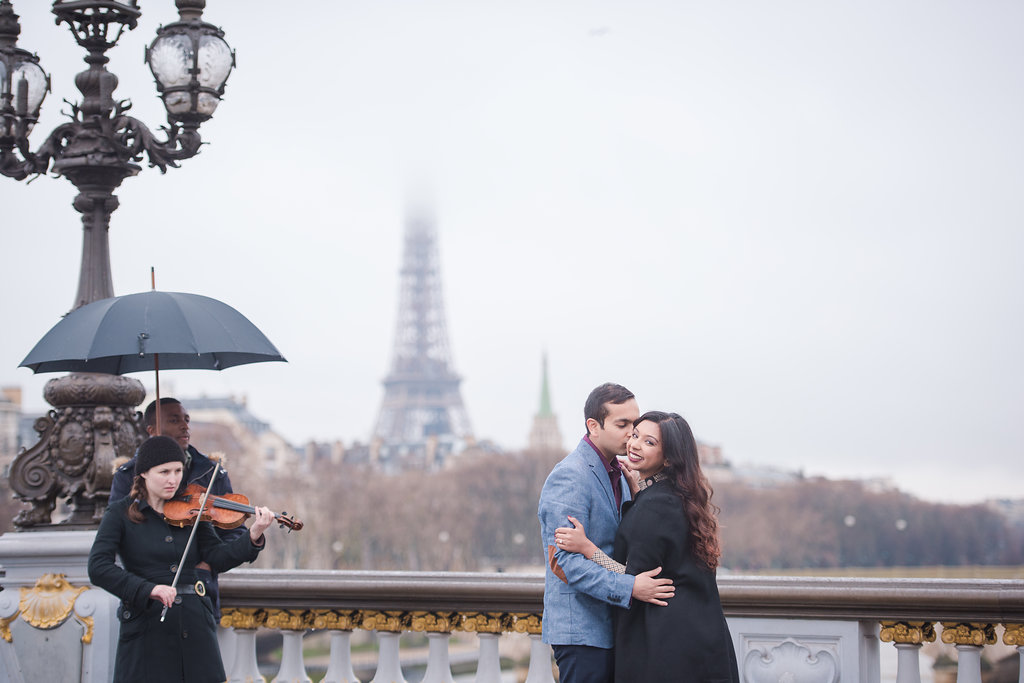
{"x":650,"y":481}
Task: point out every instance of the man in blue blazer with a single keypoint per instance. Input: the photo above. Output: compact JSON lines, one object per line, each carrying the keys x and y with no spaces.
{"x":579,"y":594}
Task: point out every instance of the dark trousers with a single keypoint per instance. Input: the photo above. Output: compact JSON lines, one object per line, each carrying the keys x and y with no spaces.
{"x":584,"y":664}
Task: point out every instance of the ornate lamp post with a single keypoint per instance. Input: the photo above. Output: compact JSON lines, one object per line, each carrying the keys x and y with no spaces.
{"x":93,"y":421}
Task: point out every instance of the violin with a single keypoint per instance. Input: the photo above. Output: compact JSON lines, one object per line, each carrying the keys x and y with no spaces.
{"x":227,"y":511}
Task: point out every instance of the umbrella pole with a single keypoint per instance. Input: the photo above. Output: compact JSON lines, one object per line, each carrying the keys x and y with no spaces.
{"x":156,"y":366}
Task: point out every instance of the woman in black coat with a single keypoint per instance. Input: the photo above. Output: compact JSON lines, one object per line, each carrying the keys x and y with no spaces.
{"x":184,"y":646}
{"x":670,"y":524}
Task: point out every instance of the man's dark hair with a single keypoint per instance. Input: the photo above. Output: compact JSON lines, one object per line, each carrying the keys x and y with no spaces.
{"x":149,"y":417}
{"x":595,"y":407}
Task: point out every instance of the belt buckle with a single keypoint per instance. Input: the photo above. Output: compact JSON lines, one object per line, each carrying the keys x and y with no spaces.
{"x":200,"y":588}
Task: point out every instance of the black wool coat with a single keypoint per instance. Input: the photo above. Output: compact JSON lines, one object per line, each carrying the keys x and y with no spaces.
{"x":687,"y":641}
{"x":184,"y":646}
{"x":198,"y":471}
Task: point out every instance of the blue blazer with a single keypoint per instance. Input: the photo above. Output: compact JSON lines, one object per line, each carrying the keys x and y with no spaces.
{"x":578,"y":611}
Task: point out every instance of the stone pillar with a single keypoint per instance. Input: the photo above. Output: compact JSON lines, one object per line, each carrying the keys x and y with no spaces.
{"x":47,"y":604}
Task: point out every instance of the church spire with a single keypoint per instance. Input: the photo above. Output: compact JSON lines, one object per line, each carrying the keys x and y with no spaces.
{"x":544,"y":435}
{"x":545,"y":393}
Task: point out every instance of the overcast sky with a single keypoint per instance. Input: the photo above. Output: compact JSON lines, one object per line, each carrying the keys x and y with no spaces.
{"x":799,"y":224}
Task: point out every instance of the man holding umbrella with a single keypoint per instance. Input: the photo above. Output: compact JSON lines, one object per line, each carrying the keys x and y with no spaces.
{"x":174,"y":422}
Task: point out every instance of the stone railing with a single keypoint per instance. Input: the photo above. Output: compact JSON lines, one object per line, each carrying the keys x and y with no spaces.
{"x":802,"y":629}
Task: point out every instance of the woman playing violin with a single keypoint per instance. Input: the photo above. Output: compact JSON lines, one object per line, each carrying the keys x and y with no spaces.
{"x":182,"y":647}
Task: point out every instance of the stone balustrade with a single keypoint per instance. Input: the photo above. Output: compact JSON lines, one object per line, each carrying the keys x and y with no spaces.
{"x":802,"y":629}
{"x":799,"y":629}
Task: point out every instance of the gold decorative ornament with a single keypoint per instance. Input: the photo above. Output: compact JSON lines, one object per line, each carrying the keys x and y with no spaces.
{"x":5,"y":627}
{"x":248,"y":618}
{"x":390,"y":621}
{"x":336,"y":620}
{"x":489,"y":622}
{"x":289,"y":620}
{"x":1013,"y":635}
{"x":531,"y":624}
{"x":915,"y":632}
{"x":394,"y":621}
{"x":49,"y":603}
{"x":435,"y":622}
{"x":87,"y":637}
{"x":968,"y":633}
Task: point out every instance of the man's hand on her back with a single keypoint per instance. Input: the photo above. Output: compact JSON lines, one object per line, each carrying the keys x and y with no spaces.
{"x":646,"y":588}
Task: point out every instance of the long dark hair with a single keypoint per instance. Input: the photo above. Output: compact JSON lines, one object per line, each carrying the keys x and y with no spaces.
{"x":682,"y":465}
{"x":137,"y":494}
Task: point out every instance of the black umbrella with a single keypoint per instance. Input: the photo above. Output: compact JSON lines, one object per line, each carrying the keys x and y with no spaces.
{"x":147,"y":331}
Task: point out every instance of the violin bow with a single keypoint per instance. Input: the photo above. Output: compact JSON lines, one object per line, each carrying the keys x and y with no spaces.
{"x":192,"y":535}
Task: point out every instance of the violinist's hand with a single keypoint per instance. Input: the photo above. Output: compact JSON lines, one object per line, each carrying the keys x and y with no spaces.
{"x":163,"y":594}
{"x":262,"y":520}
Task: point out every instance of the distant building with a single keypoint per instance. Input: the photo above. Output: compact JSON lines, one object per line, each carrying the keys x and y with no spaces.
{"x":329,"y":453}
{"x":1012,"y":509}
{"x":224,"y":424}
{"x":721,"y":471}
{"x":759,"y":477}
{"x":10,"y":414}
{"x":544,"y":434}
{"x":710,"y":456}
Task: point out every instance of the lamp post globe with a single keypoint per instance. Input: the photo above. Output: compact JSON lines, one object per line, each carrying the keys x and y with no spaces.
{"x":191,"y":62}
{"x":23,"y":83}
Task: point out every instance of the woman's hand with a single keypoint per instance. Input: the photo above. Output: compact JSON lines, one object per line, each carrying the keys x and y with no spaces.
{"x":631,"y":475}
{"x":163,"y":594}
{"x":574,"y":539}
{"x":263,"y":518}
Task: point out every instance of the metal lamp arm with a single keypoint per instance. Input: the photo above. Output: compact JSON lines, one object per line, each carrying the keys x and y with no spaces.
{"x":137,"y":138}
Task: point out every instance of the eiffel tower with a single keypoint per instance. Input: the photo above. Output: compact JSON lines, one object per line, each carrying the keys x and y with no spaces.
{"x":422,"y":421}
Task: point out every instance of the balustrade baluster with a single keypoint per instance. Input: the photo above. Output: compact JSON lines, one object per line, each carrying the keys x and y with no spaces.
{"x":968,"y":667}
{"x":540,"y":661}
{"x":907,"y":636}
{"x":293,"y":667}
{"x":908,"y":662}
{"x":226,"y":643}
{"x":439,"y":668}
{"x":389,"y":667}
{"x":488,"y":669}
{"x":339,"y":669}
{"x":1013,"y":635}
{"x":969,"y":638}
{"x":245,"y":668}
